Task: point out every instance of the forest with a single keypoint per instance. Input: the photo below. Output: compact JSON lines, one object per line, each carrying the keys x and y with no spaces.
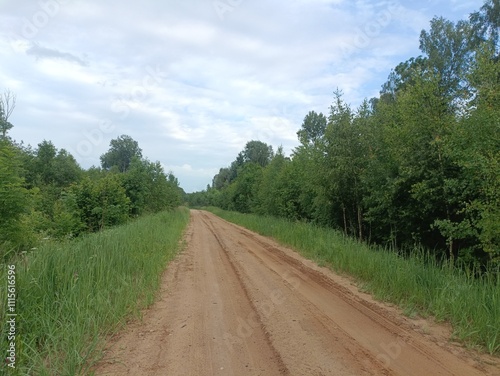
{"x":400,"y":194}
{"x":45,"y":195}
{"x":416,"y":167}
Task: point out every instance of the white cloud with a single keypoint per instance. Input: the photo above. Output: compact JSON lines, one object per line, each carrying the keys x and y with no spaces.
{"x":190,"y":87}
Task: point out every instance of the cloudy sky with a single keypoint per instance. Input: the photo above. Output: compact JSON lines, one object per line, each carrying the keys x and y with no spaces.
{"x":193,"y":80}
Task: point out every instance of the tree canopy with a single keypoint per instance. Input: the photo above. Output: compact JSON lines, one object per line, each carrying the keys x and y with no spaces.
{"x":419,"y":165}
{"x":121,"y":152}
{"x":44,"y":193}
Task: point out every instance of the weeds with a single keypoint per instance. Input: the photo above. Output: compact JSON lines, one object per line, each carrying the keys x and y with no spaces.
{"x":71,"y":295}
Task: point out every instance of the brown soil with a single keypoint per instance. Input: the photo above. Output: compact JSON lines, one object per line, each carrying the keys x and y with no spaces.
{"x":236,"y":303}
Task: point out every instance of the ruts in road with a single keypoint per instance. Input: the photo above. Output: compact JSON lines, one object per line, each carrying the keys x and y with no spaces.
{"x":236,"y":303}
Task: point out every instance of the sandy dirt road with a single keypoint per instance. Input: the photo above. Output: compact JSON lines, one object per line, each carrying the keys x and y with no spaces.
{"x":235,"y":303}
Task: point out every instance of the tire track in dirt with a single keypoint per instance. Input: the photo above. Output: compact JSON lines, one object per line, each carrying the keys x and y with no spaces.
{"x":393,"y":325}
{"x":257,"y":322}
{"x":193,"y":329}
{"x":296,"y":327}
{"x":236,"y":303}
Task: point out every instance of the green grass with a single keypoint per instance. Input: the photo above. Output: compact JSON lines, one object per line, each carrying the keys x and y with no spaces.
{"x":72,"y":295}
{"x":418,"y":284}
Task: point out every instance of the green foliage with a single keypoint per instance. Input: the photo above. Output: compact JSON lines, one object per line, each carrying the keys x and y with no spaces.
{"x":271,"y":197}
{"x":242,"y":194}
{"x":313,"y":128}
{"x":166,"y":192}
{"x":5,"y":125}
{"x":49,"y":166}
{"x":402,"y":76}
{"x":13,"y":199}
{"x":475,"y":148}
{"x":486,"y":24}
{"x":44,"y":158}
{"x":257,"y":152}
{"x":77,"y":288}
{"x":101,"y":203}
{"x":49,"y":196}
{"x":345,"y":162}
{"x":222,"y":179}
{"x":7,"y":105}
{"x":419,"y":165}
{"x":67,"y":220}
{"x":149,"y":188}
{"x":74,"y":294}
{"x":450,"y":49}
{"x":121,"y":153}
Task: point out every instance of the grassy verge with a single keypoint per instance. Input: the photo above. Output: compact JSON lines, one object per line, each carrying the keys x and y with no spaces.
{"x":71,"y":295}
{"x":417,"y":283}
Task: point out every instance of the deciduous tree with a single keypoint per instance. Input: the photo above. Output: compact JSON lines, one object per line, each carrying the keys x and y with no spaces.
{"x":120,"y":154}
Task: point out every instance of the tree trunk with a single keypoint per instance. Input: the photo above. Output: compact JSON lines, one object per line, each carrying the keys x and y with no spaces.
{"x":345,"y":219}
{"x":360,"y":226}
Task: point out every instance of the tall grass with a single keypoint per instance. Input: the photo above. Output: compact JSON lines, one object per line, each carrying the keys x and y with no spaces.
{"x":417,"y":283}
{"x":71,"y":295}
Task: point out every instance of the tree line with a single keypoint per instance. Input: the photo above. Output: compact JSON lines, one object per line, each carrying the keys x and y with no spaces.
{"x":45,"y":194}
{"x":419,"y":165}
